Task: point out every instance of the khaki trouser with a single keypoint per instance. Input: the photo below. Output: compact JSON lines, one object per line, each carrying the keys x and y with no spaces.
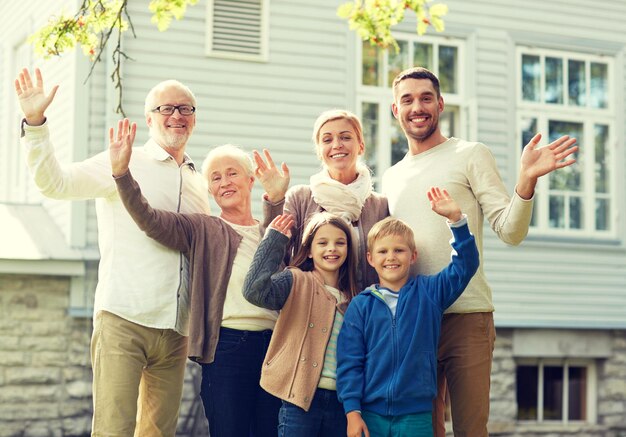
{"x":137,"y":378}
{"x":464,"y":365}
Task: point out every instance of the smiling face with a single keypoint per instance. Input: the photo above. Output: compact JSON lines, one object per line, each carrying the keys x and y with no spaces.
{"x":417,"y":107}
{"x":229,"y":183}
{"x":392,"y":257}
{"x":339,"y":147}
{"x":171,"y":131}
{"x":329,"y":249}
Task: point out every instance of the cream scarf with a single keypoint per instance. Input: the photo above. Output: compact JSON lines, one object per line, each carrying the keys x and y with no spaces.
{"x":345,"y":201}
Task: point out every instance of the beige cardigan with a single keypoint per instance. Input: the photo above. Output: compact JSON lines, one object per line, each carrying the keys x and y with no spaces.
{"x":295,"y":357}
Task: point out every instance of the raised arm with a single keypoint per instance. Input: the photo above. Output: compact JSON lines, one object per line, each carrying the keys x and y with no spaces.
{"x":275,"y":183}
{"x":81,"y":180}
{"x":32,"y":98}
{"x":451,"y":281}
{"x":171,"y":229}
{"x":537,"y":162}
{"x":264,"y":287}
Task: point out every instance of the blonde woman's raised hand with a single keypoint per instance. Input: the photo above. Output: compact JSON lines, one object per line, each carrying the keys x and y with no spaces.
{"x":275,"y":181}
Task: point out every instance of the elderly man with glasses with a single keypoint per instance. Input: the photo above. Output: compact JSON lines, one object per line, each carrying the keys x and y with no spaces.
{"x":141,"y":310}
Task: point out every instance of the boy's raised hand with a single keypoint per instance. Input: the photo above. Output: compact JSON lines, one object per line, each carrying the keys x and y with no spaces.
{"x":121,"y":146}
{"x":444,"y":205}
{"x":275,"y":181}
{"x":283,"y":223}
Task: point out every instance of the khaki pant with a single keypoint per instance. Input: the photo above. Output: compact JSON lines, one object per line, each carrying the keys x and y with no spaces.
{"x":464,"y":365}
{"x":137,"y":378}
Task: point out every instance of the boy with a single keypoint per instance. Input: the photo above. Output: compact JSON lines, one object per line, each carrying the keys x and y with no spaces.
{"x":387,"y":347}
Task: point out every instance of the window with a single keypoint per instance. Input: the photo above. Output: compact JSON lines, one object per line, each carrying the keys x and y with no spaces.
{"x":238,"y":29}
{"x":570,"y":94}
{"x":385,"y":144}
{"x":556,"y":390}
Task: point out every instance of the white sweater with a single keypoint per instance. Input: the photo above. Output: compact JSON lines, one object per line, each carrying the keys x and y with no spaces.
{"x":468,"y":171}
{"x":138,"y":279}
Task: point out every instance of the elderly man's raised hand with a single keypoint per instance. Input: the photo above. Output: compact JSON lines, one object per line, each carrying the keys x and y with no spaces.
{"x":539,"y":161}
{"x":274,"y":181}
{"x":121,"y":146}
{"x":32,"y":98}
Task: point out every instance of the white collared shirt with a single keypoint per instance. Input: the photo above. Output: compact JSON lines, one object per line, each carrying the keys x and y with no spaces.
{"x":138,"y":279}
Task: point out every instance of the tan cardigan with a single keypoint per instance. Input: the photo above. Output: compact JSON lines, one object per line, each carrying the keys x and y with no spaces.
{"x":295,"y":357}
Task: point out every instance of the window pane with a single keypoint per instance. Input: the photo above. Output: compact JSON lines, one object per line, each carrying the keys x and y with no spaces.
{"x":577,"y":393}
{"x":448,"y":121}
{"x":371,"y":64}
{"x":448,"y":69}
{"x":576,"y":215}
{"x":601,"y":165}
{"x":526,"y":383}
{"x":423,"y":55}
{"x":552,"y":393}
{"x":598,"y":92}
{"x":577,"y":86}
{"x":531,"y":78}
{"x":602,"y":214}
{"x":554,"y":80}
{"x":399,"y":145}
{"x":557,"y":212}
{"x":568,"y":178}
{"x":397,"y":61}
{"x":370,"y":133}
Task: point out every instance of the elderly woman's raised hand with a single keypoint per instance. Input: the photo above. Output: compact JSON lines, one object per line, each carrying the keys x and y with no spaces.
{"x":283,"y":224}
{"x":121,"y":146}
{"x":32,"y":98}
{"x":274,"y":181}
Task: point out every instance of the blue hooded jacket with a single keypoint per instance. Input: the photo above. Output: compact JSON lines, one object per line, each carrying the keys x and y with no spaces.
{"x":388,"y":365}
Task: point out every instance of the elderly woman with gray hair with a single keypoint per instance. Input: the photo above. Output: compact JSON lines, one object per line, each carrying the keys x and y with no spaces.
{"x":227,"y":335}
{"x":342,"y":187}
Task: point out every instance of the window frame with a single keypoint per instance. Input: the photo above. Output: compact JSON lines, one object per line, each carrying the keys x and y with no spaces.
{"x":565,"y":363}
{"x":383,"y":97}
{"x":586,"y":116}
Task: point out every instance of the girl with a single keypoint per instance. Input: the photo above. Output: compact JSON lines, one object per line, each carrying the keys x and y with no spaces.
{"x":312,"y":294}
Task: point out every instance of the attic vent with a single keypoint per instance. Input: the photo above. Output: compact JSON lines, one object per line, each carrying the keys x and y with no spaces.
{"x":237,"y":29}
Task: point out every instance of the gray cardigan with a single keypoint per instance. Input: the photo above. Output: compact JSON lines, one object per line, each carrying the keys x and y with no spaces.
{"x":299,"y":203}
{"x":209,"y":243}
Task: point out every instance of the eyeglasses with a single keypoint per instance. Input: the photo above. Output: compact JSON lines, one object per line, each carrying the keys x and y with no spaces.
{"x":169,"y":109}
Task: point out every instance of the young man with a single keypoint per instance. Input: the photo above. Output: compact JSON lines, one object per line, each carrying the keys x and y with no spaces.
{"x":387,"y":347}
{"x":468,"y":171}
{"x":141,"y":311}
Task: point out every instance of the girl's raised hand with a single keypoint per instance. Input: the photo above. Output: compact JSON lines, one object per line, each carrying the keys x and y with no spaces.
{"x":443,"y":204}
{"x":283,"y":224}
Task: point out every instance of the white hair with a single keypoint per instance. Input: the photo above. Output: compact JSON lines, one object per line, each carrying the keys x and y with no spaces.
{"x":228,"y":151}
{"x":150,"y":98}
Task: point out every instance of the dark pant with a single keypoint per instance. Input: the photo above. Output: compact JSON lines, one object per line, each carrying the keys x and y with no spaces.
{"x":234,"y":402}
{"x":325,"y":418}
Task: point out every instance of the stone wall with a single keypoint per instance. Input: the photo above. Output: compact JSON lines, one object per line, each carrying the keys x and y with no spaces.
{"x":611,"y":387}
{"x":45,"y":370}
